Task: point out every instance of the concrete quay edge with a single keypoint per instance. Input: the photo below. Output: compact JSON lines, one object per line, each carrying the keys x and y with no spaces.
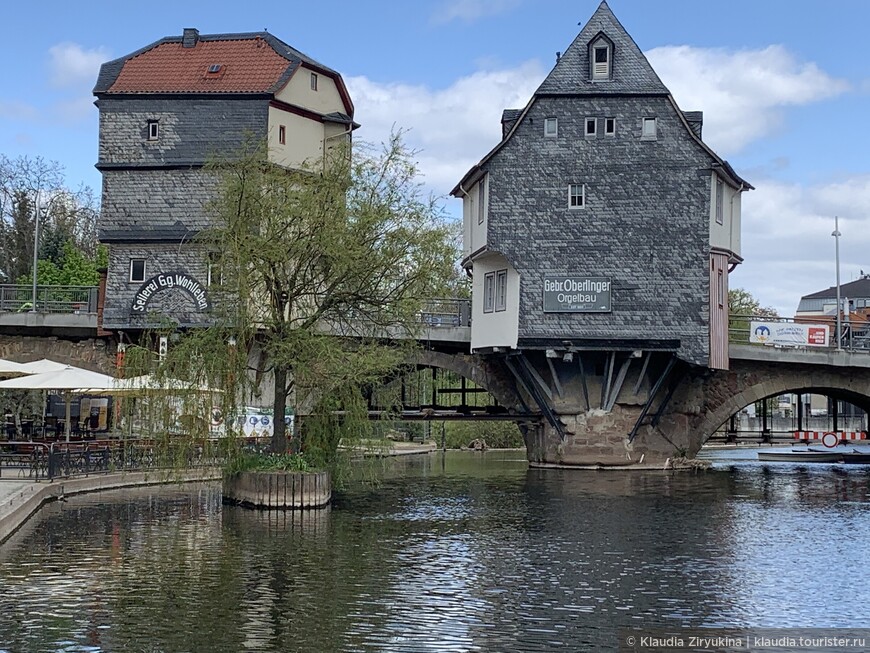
{"x":26,"y":499}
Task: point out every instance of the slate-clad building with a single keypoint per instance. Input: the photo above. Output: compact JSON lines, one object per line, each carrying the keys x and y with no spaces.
{"x":165,"y":111}
{"x":602,"y":219}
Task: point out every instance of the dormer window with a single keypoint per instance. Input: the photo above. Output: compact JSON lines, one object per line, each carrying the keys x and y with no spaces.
{"x":601,"y":56}
{"x":214,"y":68}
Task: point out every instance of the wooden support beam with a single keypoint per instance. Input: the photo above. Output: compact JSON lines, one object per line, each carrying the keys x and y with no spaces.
{"x":655,"y":390}
{"x":607,"y":379}
{"x":640,"y":378}
{"x":617,"y":386}
{"x":555,"y":375}
{"x":583,"y":380}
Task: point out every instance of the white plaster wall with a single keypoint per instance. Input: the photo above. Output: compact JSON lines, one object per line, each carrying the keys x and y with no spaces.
{"x":325,"y":99}
{"x":304,"y":141}
{"x":496,"y":329}
{"x":725,"y":236}
{"x":474,"y":233}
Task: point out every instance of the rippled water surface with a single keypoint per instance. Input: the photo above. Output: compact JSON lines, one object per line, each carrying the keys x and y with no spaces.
{"x":469,"y":553}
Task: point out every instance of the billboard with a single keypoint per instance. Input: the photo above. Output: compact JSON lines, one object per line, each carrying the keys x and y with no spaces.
{"x":577,"y":294}
{"x":788,"y":334}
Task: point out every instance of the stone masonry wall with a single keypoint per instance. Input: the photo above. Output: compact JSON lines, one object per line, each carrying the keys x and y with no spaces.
{"x":645,"y":225}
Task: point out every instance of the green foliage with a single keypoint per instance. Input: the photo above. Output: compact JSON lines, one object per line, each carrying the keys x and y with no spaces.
{"x":267,"y":462}
{"x":319,"y":265}
{"x":742,"y":308}
{"x":498,"y":435}
{"x":71,"y":268}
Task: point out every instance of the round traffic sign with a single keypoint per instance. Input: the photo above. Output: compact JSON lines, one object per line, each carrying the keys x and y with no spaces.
{"x":830,"y":439}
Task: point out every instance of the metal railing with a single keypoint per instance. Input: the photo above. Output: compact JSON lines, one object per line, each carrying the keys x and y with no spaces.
{"x":51,"y":460}
{"x":446,"y":313}
{"x":852,"y":338}
{"x":18,"y":298}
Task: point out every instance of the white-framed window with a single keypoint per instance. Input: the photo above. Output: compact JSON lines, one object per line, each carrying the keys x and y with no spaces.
{"x":591,"y":127}
{"x":313,"y":81}
{"x":488,"y":292}
{"x":501,"y":290}
{"x":576,"y":196}
{"x":481,"y":200}
{"x":720,"y":201}
{"x":137,"y":270}
{"x":650,"y":128}
{"x":610,"y":126}
{"x":153,"y":130}
{"x":551,"y":127}
{"x":601,"y":60}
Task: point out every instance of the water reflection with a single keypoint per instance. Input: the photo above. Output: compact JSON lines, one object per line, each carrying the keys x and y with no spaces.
{"x":467,"y":552}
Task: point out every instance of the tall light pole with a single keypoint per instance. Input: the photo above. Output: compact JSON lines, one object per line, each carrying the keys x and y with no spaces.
{"x":35,"y":254}
{"x":836,"y":234}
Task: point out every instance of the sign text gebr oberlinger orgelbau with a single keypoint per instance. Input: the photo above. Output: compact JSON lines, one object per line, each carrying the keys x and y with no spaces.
{"x":577,"y":294}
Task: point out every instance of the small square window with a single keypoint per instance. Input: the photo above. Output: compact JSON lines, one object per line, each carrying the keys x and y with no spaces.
{"x":551,"y":127}
{"x":650,"y":129}
{"x":488,"y":292}
{"x":610,"y":126}
{"x":282,"y":134}
{"x":137,"y":270}
{"x":153,"y":130}
{"x":313,"y":81}
{"x":576,"y":196}
{"x":501,"y":290}
{"x":591,"y":126}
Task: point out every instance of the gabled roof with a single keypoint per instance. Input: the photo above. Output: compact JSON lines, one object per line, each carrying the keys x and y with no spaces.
{"x":631,"y":72}
{"x":852,"y":290}
{"x":250,"y":62}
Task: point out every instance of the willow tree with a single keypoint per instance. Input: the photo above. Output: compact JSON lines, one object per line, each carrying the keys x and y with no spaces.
{"x":324,"y":270}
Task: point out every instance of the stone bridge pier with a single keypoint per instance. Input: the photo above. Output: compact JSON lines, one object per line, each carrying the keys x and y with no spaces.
{"x":620,"y":408}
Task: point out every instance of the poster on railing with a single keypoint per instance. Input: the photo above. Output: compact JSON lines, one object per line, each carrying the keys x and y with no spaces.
{"x":789,"y":334}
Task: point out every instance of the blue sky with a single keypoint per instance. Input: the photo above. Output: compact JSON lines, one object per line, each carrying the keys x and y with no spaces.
{"x":784,"y":86}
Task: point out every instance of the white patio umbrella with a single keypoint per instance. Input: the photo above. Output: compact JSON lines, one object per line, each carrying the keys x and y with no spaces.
{"x":45,"y":365}
{"x":11,"y":368}
{"x":70,"y":379}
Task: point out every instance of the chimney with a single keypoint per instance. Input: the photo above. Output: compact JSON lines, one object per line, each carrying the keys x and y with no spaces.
{"x":695,"y":120}
{"x":508,"y":119}
{"x":190,"y":37}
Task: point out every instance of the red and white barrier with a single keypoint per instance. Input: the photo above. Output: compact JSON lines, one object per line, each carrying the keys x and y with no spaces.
{"x":819,"y":435}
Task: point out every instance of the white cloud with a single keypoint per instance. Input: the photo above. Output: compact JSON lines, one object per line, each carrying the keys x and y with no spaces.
{"x":454,"y":127}
{"x":468,"y":11}
{"x":17,"y":111}
{"x":742,"y":93}
{"x":787,"y":243}
{"x":72,"y":66}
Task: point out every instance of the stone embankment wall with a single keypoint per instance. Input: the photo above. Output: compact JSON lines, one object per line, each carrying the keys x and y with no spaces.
{"x":279,"y":490}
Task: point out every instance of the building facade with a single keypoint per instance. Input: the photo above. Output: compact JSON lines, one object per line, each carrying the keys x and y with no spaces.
{"x":602,"y":220}
{"x":166,"y":111}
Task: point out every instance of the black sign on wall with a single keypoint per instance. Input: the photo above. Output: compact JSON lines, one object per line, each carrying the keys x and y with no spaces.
{"x":173,"y":281}
{"x":577,"y":294}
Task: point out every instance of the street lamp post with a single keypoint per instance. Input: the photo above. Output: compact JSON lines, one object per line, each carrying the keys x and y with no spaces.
{"x":836,"y":234}
{"x":35,"y":254}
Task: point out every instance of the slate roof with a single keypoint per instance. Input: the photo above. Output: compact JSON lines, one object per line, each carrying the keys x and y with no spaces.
{"x":852,"y":290}
{"x":251,"y":62}
{"x":632,"y":73}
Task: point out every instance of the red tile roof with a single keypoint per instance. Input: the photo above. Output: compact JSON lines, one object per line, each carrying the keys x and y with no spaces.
{"x":247,"y":66}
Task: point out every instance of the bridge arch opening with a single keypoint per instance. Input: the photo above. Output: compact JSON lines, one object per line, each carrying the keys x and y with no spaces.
{"x":769,"y":419}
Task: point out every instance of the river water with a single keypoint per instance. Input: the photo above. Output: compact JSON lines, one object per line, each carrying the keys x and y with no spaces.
{"x":468,"y":552}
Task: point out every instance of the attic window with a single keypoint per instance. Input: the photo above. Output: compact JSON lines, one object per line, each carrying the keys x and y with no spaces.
{"x":214,"y":68}
{"x":601,"y":56}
